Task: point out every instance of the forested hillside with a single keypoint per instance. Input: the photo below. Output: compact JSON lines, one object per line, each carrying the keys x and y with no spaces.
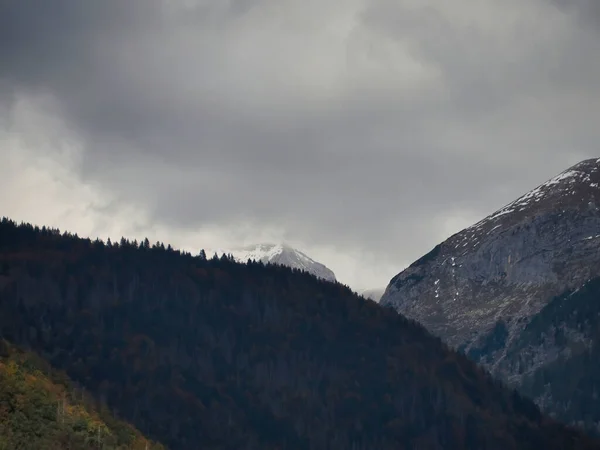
{"x":213,"y":354}
{"x":40,"y":409}
{"x":565,"y":336}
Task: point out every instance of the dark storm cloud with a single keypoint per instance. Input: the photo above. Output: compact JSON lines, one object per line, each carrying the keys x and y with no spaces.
{"x":37,"y":37}
{"x":588,"y":10}
{"x":375,"y":126}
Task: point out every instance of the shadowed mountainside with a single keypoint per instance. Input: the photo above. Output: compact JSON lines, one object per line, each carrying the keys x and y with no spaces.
{"x":213,"y":354}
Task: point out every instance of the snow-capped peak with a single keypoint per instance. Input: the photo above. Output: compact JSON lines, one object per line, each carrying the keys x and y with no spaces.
{"x":259,"y":252}
{"x":580,"y":181}
{"x":575,"y":188}
{"x":279,"y":254}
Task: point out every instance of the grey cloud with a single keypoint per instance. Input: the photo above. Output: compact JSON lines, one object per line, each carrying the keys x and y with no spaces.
{"x":587,"y":10}
{"x":362,"y":125}
{"x":37,"y":37}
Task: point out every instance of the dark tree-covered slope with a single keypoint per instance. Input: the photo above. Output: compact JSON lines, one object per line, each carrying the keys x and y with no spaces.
{"x":556,"y":356}
{"x":219,"y":355}
{"x":40,"y":409}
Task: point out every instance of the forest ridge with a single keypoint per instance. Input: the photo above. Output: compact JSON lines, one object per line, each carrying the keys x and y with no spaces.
{"x":214,"y":354}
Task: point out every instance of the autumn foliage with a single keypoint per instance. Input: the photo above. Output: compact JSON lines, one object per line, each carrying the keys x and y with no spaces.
{"x":42,"y":409}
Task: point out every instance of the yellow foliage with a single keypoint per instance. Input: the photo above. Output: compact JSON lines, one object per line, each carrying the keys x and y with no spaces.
{"x":22,"y":386}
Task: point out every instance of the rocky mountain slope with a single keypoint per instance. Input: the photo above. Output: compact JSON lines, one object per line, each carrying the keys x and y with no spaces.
{"x":279,"y":254}
{"x":481,"y":289}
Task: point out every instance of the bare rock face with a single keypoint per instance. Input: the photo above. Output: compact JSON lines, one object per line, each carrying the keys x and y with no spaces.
{"x":481,"y":288}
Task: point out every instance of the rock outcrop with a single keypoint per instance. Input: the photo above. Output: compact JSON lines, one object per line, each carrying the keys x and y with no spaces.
{"x":482,"y":288}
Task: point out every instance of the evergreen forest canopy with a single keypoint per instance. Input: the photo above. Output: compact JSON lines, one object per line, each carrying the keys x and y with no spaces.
{"x":213,"y":354}
{"x":572,"y":380}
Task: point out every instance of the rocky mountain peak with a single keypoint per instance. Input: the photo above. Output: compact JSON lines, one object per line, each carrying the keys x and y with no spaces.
{"x":505,"y":267}
{"x":577,"y":186}
{"x":575,"y":189}
{"x":282,"y":254}
{"x":513,"y":292}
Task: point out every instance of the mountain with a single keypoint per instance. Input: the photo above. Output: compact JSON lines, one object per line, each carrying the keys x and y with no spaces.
{"x":279,"y":254}
{"x":373,"y":294}
{"x":40,"y":408}
{"x":555,"y":359}
{"x":213,"y":354}
{"x":485,"y":289}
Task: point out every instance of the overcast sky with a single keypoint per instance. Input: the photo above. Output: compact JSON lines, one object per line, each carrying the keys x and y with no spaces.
{"x":362,"y":131}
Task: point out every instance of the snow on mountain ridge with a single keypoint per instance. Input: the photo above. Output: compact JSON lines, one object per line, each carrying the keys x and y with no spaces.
{"x":279,"y":254}
{"x":260,"y":252}
{"x":559,"y":184}
{"x":577,"y":186}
